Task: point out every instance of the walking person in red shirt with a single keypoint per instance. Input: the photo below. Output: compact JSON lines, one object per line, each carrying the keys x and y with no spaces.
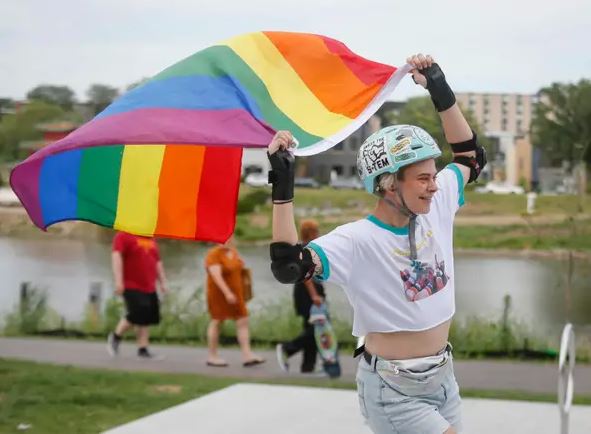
{"x":136,"y":269}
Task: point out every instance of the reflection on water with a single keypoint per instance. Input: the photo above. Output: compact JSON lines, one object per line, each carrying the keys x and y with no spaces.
{"x":68,"y":269}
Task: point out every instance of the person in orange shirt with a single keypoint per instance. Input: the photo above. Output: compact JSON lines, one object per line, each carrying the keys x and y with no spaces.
{"x":225,"y":300}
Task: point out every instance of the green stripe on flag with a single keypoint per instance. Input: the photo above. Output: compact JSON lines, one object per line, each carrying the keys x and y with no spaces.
{"x":218,"y":61}
{"x":98,"y":184}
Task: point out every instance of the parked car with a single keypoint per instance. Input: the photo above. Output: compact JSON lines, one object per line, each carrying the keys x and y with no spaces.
{"x":500,"y":188}
{"x":352,"y":183}
{"x":257,"y":179}
{"x":306,"y":183}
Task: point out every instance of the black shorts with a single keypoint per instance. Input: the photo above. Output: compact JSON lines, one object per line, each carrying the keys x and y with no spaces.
{"x":143,"y":308}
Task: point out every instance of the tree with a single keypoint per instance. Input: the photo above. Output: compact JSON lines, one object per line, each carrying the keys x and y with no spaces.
{"x":137,"y":83}
{"x":62,"y":96}
{"x":561,"y":126}
{"x":100,"y":96}
{"x":419,"y":111}
{"x":5,"y":103}
{"x":21,"y":126}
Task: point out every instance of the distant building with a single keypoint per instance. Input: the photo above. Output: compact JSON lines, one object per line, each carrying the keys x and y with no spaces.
{"x":507,"y":112}
{"x":506,"y":119}
{"x":510,"y":159}
{"x":52,"y":132}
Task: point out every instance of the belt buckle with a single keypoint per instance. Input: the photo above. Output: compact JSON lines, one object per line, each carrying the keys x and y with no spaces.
{"x":394,"y":368}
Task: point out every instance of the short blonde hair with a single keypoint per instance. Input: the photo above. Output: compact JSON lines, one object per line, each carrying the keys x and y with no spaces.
{"x":386,"y":182}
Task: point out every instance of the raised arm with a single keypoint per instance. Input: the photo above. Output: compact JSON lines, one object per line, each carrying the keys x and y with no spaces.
{"x":290,"y":262}
{"x":282,"y":178}
{"x":469,"y":156}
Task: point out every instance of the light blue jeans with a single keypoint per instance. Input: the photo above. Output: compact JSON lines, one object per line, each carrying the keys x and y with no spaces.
{"x":409,"y":403}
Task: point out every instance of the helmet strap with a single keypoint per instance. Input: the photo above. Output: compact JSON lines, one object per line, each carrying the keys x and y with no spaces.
{"x":405,"y":210}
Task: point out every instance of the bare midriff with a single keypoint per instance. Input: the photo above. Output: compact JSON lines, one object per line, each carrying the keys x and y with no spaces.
{"x":408,"y":345}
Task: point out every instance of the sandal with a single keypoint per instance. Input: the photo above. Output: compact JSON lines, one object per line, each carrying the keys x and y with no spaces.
{"x":253,"y":362}
{"x":217,"y":364}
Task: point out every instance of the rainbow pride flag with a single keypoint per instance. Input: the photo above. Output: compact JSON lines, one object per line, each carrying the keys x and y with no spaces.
{"x":164,"y":159}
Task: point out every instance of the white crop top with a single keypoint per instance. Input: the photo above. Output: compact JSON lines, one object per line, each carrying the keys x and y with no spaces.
{"x":371,"y":261}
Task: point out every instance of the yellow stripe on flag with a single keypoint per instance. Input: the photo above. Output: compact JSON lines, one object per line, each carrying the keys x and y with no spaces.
{"x":137,"y":205}
{"x":287,"y":89}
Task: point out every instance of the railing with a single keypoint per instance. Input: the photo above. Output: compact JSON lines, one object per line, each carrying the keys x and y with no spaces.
{"x":566,"y":365}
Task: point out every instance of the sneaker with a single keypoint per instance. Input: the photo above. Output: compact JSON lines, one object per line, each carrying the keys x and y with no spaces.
{"x":113,"y":343}
{"x":282,"y":358}
{"x":145,"y":354}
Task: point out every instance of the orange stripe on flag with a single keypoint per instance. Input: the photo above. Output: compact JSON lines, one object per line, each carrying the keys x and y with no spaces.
{"x":179,"y":182}
{"x":349,"y":98}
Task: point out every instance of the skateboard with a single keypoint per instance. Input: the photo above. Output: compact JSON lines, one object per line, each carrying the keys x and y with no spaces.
{"x":326,"y":340}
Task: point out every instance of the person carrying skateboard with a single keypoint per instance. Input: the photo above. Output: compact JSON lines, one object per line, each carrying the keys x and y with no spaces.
{"x":305,"y":295}
{"x":405,"y":379}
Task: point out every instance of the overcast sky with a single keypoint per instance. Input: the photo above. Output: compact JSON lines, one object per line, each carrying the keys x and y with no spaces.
{"x":494,"y":46}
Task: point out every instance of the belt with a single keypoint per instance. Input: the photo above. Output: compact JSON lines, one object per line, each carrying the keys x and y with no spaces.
{"x":368,"y":356}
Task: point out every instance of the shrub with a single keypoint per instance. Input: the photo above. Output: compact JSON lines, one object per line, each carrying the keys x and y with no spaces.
{"x":250,"y":201}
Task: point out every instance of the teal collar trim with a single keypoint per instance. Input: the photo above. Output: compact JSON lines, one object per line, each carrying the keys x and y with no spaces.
{"x":394,"y":229}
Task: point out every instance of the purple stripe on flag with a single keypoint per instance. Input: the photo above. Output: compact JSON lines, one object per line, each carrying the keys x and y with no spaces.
{"x":232,"y":127}
{"x":24,"y":180}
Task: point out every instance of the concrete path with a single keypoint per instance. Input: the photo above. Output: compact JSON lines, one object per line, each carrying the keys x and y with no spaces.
{"x":487,"y":375}
{"x":246,"y":408}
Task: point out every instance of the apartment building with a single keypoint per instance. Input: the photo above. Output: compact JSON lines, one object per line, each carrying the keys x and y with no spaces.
{"x":506,"y":112}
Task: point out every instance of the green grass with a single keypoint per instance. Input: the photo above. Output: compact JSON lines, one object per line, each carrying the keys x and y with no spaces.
{"x":476,"y":203}
{"x":61,"y":399}
{"x":566,"y":235}
{"x":57,"y":399}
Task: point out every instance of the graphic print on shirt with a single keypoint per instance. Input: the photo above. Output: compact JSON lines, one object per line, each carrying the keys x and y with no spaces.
{"x":146,"y":245}
{"x":426,"y":275}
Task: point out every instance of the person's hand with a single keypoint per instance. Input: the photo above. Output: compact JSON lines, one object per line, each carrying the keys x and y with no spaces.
{"x":231,"y":298}
{"x":282,"y":140}
{"x":119,"y":288}
{"x":163,"y":289}
{"x":317,"y":300}
{"x":418,"y":62}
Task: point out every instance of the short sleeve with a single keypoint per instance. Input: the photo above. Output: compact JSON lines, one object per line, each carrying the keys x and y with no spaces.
{"x":212,"y":257}
{"x":450,"y":195}
{"x":119,"y":242}
{"x":336,"y":252}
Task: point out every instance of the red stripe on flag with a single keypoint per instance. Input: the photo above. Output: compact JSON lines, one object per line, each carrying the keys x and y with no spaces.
{"x":218,"y":193}
{"x":368,"y":71}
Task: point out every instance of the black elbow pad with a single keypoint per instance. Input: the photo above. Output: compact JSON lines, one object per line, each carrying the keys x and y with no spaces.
{"x":476,"y":163}
{"x":291,"y":264}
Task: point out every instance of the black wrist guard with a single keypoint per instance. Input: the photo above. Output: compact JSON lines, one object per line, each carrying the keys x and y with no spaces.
{"x":282,"y":175}
{"x":441,"y":94}
{"x":467,"y":146}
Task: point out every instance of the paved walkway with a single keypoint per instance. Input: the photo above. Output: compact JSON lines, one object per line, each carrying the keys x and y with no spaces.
{"x":304,"y":410}
{"x":488,"y":375}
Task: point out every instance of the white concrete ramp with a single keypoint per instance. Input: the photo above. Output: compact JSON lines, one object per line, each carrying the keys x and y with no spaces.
{"x":262,"y":409}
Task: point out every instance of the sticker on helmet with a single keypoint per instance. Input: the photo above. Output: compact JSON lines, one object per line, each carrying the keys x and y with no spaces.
{"x":400,"y":146}
{"x":404,"y":157}
{"x":424,"y":137}
{"x":374,"y":156}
